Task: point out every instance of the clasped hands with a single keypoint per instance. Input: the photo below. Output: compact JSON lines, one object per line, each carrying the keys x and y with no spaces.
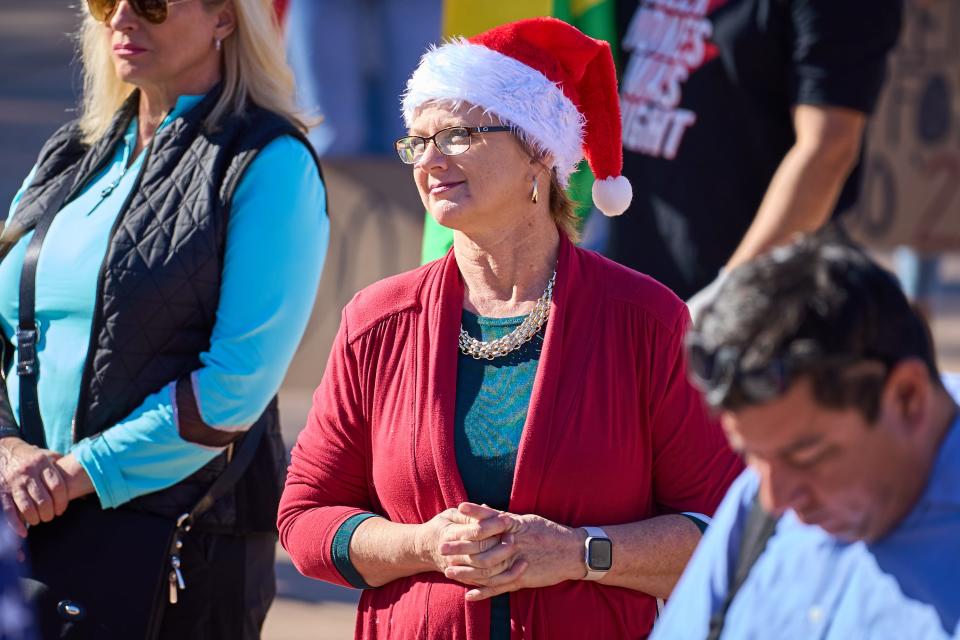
{"x":33,"y":488}
{"x":497,"y":552}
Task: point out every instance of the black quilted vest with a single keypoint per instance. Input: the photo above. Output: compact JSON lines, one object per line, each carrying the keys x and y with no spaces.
{"x":160,"y":282}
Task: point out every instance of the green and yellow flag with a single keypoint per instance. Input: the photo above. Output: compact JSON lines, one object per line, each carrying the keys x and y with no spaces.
{"x":466,"y":18}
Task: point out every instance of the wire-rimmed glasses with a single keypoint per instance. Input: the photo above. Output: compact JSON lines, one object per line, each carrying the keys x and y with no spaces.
{"x":451,"y":141}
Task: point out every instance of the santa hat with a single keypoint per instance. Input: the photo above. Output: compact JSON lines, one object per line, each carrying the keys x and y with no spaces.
{"x":544,"y":76}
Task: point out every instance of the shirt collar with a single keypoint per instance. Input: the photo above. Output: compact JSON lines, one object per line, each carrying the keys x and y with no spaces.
{"x":183,"y":104}
{"x":943,"y":486}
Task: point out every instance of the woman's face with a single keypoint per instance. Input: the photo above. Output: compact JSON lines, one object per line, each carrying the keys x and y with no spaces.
{"x":179,"y":52}
{"x":488,"y":187}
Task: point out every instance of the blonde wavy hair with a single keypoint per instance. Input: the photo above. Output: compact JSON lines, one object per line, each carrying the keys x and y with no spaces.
{"x":254,"y":68}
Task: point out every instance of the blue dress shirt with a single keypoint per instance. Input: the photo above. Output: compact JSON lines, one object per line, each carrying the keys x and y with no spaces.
{"x":277,"y":239}
{"x":809,"y":585}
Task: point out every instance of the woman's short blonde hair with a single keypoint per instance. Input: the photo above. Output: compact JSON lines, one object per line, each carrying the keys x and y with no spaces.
{"x":254,"y":68}
{"x":563,"y":209}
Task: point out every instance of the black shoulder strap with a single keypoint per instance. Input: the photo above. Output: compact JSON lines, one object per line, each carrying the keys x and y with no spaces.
{"x":28,"y":332}
{"x":242,"y":457}
{"x":758,"y":530}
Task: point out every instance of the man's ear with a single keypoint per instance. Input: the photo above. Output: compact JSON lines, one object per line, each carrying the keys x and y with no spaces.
{"x":906,"y":393}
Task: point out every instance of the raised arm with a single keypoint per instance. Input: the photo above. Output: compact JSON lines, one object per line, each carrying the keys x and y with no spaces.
{"x":838,"y":63}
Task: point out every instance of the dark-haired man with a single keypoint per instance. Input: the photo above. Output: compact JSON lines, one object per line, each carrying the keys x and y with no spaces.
{"x":826,"y":382}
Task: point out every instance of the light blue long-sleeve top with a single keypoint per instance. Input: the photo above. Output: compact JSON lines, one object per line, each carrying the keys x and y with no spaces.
{"x":808,"y":584}
{"x":276,"y":243}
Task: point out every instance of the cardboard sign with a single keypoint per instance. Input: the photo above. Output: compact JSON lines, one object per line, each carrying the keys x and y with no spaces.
{"x":911,"y":188}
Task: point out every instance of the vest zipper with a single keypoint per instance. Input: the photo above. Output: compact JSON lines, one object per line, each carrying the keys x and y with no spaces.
{"x":98,"y":305}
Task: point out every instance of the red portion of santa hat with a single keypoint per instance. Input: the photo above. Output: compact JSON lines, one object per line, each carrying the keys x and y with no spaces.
{"x":583,"y":69}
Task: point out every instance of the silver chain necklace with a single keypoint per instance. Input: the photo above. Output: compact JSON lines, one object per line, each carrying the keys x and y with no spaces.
{"x":530,"y":326}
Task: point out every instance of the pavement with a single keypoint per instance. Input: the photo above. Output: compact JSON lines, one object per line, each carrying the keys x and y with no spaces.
{"x":39,"y":82}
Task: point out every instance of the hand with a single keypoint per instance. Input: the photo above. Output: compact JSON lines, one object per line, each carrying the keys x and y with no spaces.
{"x":701,"y":299}
{"x":78,"y":482}
{"x":453,"y":527}
{"x":536,"y":552}
{"x":33,"y":481}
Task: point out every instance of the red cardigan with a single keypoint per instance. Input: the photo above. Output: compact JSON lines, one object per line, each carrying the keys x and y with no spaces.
{"x":614,"y":434}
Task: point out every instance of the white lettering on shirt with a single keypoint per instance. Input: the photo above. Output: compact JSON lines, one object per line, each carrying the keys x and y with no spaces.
{"x":667,"y":40}
{"x":654,"y":131}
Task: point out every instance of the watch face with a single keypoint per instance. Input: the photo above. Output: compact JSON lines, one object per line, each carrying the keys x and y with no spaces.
{"x":600,"y":557}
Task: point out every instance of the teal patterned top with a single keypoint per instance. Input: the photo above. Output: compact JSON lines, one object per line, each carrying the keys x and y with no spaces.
{"x":492,"y":401}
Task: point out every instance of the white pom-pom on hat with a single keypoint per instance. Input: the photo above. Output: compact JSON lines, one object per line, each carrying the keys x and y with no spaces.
{"x":612,"y":195}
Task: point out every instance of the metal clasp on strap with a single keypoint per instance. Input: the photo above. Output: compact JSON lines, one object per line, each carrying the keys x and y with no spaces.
{"x":185,"y":522}
{"x":175,"y":577}
{"x":27,"y":350}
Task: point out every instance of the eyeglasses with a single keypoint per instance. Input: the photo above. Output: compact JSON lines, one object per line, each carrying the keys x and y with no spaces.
{"x":719,"y":375}
{"x":154,"y":11}
{"x":450,"y":142}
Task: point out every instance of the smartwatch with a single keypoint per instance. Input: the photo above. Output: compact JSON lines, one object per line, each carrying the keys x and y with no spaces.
{"x":598,"y":553}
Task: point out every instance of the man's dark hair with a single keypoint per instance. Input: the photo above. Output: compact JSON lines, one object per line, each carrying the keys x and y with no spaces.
{"x":822,"y":296}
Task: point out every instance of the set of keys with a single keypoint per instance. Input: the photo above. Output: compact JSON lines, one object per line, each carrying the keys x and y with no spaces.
{"x":176,"y":577}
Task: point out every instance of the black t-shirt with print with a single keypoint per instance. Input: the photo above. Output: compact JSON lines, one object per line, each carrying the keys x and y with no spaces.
{"x":706,"y":91}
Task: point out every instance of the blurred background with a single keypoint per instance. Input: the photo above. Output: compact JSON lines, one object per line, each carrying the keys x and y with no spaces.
{"x":352,"y":71}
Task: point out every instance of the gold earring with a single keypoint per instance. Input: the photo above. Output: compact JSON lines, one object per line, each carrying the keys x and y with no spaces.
{"x":535,"y":196}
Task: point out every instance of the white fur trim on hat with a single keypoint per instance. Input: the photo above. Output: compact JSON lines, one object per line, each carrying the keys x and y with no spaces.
{"x":612,"y":195}
{"x":461,"y":71}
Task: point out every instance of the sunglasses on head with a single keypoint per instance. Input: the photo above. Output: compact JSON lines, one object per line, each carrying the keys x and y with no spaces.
{"x":154,"y":11}
{"x":719,"y":372}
